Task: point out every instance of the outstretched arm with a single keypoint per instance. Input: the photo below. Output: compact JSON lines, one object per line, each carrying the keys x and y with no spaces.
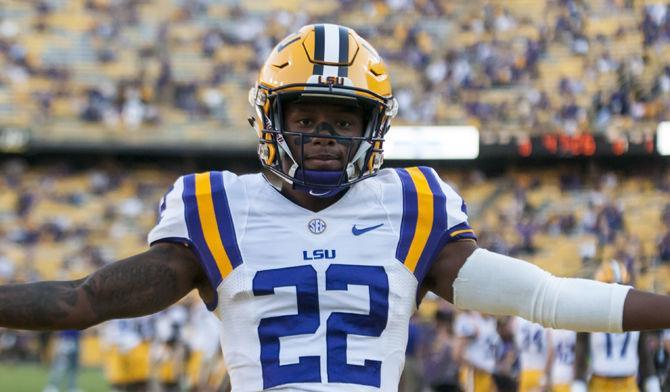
{"x":476,"y":279}
{"x":645,"y":311}
{"x":136,"y":286}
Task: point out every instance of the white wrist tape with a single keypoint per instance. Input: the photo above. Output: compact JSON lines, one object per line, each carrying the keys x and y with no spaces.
{"x":492,"y":283}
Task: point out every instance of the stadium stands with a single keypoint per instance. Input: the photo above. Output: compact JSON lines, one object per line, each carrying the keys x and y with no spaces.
{"x":122,"y":68}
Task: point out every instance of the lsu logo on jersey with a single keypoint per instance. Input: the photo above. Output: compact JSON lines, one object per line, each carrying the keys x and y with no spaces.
{"x":318,"y":254}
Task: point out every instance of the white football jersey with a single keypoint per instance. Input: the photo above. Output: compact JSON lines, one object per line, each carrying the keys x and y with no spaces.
{"x":126,"y":334}
{"x":169,"y":323}
{"x":314,"y":301}
{"x":531,"y":338}
{"x":482,"y":339}
{"x":614,"y":354}
{"x":563,"y":368}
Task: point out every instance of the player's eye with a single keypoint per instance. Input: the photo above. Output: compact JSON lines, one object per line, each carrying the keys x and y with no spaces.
{"x":343,"y":124}
{"x":304,"y":122}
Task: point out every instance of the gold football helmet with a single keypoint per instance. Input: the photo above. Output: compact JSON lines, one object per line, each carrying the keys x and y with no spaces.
{"x":323,"y":62}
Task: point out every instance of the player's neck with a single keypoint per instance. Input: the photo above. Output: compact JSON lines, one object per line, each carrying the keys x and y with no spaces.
{"x":305,"y":200}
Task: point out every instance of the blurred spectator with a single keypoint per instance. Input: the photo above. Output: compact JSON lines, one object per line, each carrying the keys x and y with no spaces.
{"x":508,"y":358}
{"x":24,"y":202}
{"x":440,"y":368}
{"x":609,"y":222}
{"x":65,"y":366}
{"x":664,"y":247}
{"x":411,"y":378}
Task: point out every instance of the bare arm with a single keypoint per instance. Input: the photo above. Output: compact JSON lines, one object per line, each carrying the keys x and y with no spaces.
{"x":444,"y":270}
{"x":136,"y":286}
{"x":643,"y":311}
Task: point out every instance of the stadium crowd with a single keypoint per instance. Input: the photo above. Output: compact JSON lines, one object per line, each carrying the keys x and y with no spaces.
{"x":564,"y":221}
{"x":521,"y":66}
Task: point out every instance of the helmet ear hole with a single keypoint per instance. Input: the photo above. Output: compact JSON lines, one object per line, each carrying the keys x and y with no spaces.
{"x":267,"y":153}
{"x":371,"y":161}
{"x":376,"y":157}
{"x":269,"y":150}
{"x":272,"y":152}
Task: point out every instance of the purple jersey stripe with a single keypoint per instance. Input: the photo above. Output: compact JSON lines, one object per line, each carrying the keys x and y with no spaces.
{"x":195,"y":233}
{"x":224,"y":219}
{"x":409,"y":215}
{"x":465,"y":233}
{"x":434,"y":243}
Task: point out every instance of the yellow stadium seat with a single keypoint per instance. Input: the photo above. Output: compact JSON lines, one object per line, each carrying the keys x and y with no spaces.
{"x":524,"y":8}
{"x":77,"y":22}
{"x":602,"y":26}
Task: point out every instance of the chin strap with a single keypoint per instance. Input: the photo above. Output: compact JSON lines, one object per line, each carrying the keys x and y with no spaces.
{"x":321,"y":183}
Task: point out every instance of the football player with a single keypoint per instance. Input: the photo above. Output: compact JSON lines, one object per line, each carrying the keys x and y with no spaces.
{"x":561,"y":371}
{"x":616,"y":358}
{"x":507,"y":357}
{"x":315,"y":266}
{"x":168,"y":351}
{"x":475,"y":350}
{"x":127,"y":345}
{"x":532,"y":340}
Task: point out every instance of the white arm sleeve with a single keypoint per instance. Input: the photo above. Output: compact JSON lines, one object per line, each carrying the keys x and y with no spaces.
{"x":492,"y":283}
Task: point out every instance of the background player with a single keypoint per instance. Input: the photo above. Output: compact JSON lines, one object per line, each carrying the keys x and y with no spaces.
{"x":561,"y":372}
{"x":507,"y":357}
{"x":127,"y":361}
{"x":616,"y":358}
{"x":168,"y":351}
{"x":440,"y":368}
{"x":532,"y":340}
{"x":65,"y":367}
{"x":476,"y":350}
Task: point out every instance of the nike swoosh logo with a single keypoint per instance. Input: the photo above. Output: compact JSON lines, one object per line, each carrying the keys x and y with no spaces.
{"x":357,"y":231}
